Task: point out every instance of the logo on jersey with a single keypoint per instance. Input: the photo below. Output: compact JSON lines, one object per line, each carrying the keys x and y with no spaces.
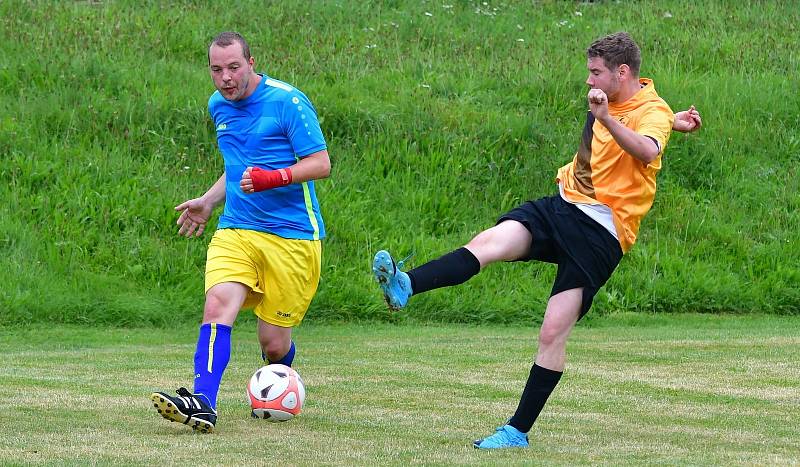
{"x":221,"y":126}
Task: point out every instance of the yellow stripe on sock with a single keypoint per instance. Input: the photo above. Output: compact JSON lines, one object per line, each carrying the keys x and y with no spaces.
{"x":211,"y":346}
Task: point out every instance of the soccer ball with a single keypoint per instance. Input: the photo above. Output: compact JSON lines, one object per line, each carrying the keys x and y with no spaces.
{"x":276,"y":393}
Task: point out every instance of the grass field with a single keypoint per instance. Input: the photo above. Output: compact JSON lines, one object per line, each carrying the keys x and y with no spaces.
{"x":439,"y":116}
{"x":639,"y":389}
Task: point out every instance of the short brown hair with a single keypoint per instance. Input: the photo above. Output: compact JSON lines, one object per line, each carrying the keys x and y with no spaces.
{"x":617,"y":49}
{"x":227,"y":38}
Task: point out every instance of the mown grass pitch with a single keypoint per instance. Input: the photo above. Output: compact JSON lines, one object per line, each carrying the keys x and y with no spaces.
{"x":680,"y":389}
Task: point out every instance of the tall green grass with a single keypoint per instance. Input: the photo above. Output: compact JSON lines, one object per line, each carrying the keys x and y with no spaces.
{"x":439,"y":117}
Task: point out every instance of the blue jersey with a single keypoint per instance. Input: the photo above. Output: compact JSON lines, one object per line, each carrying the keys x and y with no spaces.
{"x":271,"y":129}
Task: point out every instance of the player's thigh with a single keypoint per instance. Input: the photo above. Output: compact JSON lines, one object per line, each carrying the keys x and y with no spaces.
{"x":506,"y":241}
{"x":230,"y":259}
{"x":290,"y":281}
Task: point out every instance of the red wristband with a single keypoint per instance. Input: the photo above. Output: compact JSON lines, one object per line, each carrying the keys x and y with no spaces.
{"x":268,"y":179}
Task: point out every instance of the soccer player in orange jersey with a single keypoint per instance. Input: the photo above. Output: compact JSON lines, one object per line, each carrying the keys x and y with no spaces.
{"x":603,"y":194}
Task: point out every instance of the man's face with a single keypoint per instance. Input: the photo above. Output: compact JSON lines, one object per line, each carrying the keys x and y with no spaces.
{"x":230,"y":70}
{"x":602,"y":78}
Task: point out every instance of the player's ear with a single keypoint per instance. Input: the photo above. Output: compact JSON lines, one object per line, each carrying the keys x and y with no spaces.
{"x":624,"y":71}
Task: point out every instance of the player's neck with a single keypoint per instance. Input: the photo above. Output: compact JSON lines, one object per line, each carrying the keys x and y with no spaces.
{"x":252,"y":85}
{"x":627,"y":90}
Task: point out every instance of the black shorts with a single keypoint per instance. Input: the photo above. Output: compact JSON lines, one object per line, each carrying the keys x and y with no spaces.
{"x":585,"y":252}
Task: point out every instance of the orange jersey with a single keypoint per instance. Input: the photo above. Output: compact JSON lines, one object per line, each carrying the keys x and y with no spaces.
{"x":603,"y":173}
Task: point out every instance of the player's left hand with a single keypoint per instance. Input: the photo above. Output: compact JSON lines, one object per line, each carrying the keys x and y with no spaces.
{"x":687,"y":121}
{"x":246,"y":184}
{"x":598,"y":103}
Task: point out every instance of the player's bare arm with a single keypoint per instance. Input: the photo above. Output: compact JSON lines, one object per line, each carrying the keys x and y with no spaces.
{"x":311,"y":167}
{"x":638,"y":146}
{"x":196,"y":212}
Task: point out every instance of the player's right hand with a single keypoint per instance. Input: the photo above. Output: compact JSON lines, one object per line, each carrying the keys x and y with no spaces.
{"x":598,"y":103}
{"x":246,"y":184}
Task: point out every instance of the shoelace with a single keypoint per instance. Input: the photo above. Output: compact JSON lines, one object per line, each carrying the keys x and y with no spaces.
{"x":508,"y":437}
{"x":402,"y":262}
{"x":191,"y":399}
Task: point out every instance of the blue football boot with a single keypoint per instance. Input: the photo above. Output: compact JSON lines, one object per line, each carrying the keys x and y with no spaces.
{"x":504,"y":437}
{"x":396,"y":284}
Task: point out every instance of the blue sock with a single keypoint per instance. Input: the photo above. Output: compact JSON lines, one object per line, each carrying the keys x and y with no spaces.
{"x":287,"y":359}
{"x":210,"y":359}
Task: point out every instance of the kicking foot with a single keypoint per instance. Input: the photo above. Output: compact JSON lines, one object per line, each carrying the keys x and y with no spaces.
{"x":396,"y":284}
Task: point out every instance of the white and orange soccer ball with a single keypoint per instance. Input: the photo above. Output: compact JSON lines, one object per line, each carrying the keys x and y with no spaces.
{"x":276,"y":393}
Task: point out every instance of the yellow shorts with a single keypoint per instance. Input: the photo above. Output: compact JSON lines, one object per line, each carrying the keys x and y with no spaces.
{"x":282,"y":273}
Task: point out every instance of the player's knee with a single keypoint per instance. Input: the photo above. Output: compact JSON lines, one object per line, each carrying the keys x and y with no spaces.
{"x":550,"y":335}
{"x":504,"y":242}
{"x":475,"y":245}
{"x":274,"y":350}
{"x":486,"y":246}
{"x":217,"y":309}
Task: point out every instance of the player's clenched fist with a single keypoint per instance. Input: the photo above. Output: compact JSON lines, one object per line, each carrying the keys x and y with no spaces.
{"x":255,"y":179}
{"x":687,"y":121}
{"x":598,"y":103}
{"x":246,"y":184}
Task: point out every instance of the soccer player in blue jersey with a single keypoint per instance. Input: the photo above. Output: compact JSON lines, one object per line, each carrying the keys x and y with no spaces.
{"x":266,"y":252}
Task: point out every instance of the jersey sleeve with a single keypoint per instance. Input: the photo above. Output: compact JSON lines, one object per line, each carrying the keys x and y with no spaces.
{"x":302,"y":125}
{"x":656,"y":123}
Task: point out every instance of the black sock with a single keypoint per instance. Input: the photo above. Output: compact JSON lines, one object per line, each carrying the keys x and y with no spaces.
{"x":453,"y":268}
{"x":541,"y":383}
